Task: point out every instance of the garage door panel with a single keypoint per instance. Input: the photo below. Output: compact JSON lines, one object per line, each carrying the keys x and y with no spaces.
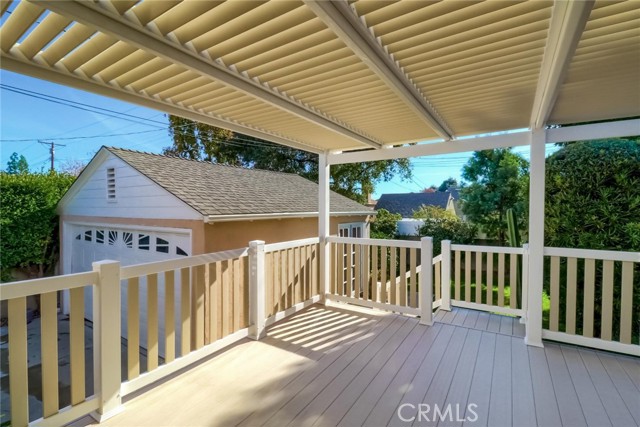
{"x":131,"y":247}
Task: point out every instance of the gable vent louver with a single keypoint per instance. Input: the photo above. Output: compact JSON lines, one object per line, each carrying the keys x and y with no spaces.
{"x":111,"y":184}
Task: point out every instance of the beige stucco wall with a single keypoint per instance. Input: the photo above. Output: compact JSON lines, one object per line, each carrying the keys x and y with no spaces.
{"x":231,"y":235}
{"x":227,"y":235}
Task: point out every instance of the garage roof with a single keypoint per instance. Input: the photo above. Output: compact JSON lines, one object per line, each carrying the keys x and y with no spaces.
{"x":406,"y":204}
{"x":227,"y":192}
{"x":341,"y":75}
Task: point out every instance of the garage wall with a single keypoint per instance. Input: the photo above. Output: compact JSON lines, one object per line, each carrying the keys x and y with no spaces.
{"x":134,"y":195}
{"x":223,"y":236}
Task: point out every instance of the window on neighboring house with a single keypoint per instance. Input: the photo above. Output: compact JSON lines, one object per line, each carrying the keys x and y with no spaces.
{"x":88,"y":235}
{"x":99,"y":236}
{"x":79,"y":237}
{"x":113,"y":237}
{"x":162,"y":245}
{"x":111,"y":184}
{"x":143,"y":242}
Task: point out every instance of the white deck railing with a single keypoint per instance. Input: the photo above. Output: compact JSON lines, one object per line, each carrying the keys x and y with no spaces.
{"x":211,"y":301}
{"x":598,"y":305}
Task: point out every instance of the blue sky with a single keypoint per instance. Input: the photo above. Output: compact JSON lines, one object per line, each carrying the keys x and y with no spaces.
{"x":27,"y":119}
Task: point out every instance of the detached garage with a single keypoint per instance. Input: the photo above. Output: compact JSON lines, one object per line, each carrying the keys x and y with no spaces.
{"x":137,"y":207}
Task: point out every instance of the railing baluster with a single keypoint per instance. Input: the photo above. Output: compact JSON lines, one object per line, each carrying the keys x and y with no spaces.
{"x":152,"y":322}
{"x":626,"y":302}
{"x":467,"y":276}
{"x":478,"y":277}
{"x":607,"y":300}
{"x":18,"y":361}
{"x":456,"y":270}
{"x":490,"y":257}
{"x":554,"y":314}
{"x":185,"y":310}
{"x":501,"y":280}
{"x":214,"y":300}
{"x":403,"y":277}
{"x":413,"y":298}
{"x":393,"y":285}
{"x":133,"y":328}
{"x":366,"y":272}
{"x":383,"y":274}
{"x":589,"y":297}
{"x":49,"y":352}
{"x":437,"y":279}
{"x":570,"y":316}
{"x":76,"y":332}
{"x":237,"y":294}
{"x":513,"y":281}
{"x":358,"y":272}
{"x":374,"y":273}
{"x":169,"y":317}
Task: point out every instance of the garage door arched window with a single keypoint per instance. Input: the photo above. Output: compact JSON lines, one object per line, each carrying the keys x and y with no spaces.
{"x":148,"y":242}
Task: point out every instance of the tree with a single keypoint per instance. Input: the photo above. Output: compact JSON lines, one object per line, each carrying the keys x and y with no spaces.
{"x":448,"y":183}
{"x":443,"y":225}
{"x":385,"y":225}
{"x":496,"y":180}
{"x":73,"y":167}
{"x":17,"y":164}
{"x":198,"y":141}
{"x":29,"y":221}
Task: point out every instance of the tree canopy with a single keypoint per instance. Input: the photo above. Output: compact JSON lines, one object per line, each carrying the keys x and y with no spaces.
{"x":385,"y":225}
{"x":448,"y":183}
{"x":198,"y":141}
{"x":593,"y":195}
{"x":443,"y":225}
{"x":17,"y":164}
{"x":495,"y":180}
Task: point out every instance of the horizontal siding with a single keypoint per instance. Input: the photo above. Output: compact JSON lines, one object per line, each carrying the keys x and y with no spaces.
{"x":136,"y":196}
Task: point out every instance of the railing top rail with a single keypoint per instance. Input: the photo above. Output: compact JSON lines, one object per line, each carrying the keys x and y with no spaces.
{"x":593,"y":254}
{"x":437,"y":259}
{"x":487,"y":249}
{"x":44,"y":285}
{"x":174,"y":264}
{"x":375,"y":242}
{"x":272,"y":247}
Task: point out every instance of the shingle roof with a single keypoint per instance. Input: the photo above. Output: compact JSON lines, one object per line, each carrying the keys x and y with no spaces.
{"x":214,"y":189}
{"x":405,"y":204}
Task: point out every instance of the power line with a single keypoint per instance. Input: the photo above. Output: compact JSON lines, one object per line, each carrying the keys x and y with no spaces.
{"x":52,"y":151}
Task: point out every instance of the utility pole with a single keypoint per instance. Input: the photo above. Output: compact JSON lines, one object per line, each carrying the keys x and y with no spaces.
{"x":52,"y":151}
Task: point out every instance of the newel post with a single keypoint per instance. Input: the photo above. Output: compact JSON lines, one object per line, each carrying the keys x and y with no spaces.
{"x":426,"y":281}
{"x":445,"y":273}
{"x":256,"y":290}
{"x":525,"y":283}
{"x":106,"y":339}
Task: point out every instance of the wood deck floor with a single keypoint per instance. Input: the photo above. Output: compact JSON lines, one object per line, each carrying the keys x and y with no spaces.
{"x":330,"y":366}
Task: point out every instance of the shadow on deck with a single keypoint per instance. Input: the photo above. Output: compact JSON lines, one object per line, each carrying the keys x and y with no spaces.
{"x":329,"y":366}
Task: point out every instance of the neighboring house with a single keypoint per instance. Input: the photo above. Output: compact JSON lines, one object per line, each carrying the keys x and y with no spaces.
{"x":137,"y":207}
{"x":406,"y":204}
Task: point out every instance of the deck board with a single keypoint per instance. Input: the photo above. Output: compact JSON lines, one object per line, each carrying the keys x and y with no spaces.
{"x":339,"y":365}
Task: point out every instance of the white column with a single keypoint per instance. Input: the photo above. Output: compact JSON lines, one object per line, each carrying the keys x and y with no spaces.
{"x":445,"y":273}
{"x":426,"y":281}
{"x":536,"y":239}
{"x":324,"y":223}
{"x":106,"y":339}
{"x":256,"y":290}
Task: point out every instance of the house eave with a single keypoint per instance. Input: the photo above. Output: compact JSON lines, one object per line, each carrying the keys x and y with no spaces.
{"x":210,"y":219}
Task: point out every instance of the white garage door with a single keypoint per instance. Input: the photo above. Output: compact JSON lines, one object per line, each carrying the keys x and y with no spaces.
{"x":130,"y":247}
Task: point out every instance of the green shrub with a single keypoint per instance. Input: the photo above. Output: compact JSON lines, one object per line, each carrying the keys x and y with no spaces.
{"x":385,"y":225}
{"x":28,"y":220}
{"x":593,"y":202}
{"x":443,"y":225}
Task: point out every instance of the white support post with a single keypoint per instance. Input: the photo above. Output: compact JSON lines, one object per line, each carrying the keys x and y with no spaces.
{"x":324,"y":223}
{"x":445,"y":273}
{"x":106,"y":339}
{"x":536,"y":239}
{"x":525,"y":282}
{"x":256,"y":290}
{"x":426,"y":281}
